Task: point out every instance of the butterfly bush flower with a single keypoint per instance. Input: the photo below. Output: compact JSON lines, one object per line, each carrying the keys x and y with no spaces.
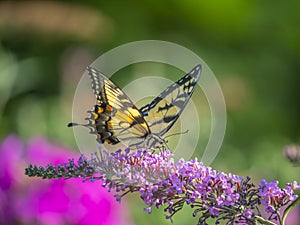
{"x":162,"y":182}
{"x":52,"y":202}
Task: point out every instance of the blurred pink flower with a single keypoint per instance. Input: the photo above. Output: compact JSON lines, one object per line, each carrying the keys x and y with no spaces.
{"x":25,"y":200}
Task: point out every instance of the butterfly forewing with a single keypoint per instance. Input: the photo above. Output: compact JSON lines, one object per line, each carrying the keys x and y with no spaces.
{"x":164,"y":110}
{"x":116,"y":117}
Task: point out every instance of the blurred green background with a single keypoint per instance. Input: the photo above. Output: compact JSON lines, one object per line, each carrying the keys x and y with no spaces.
{"x":253,"y":47}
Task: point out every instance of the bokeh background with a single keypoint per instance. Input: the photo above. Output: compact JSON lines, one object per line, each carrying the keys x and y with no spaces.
{"x":253,"y":48}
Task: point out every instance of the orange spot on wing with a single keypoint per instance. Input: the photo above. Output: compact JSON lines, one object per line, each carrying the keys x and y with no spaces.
{"x":109,"y":125}
{"x":96,"y":116}
{"x":100,"y":110}
{"x":107,"y":141}
{"x":109,"y":108}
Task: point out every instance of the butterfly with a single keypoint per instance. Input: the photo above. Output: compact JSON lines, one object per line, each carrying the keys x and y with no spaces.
{"x":115,"y":118}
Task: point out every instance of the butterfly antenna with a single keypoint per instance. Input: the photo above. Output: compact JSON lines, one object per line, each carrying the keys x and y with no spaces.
{"x":73,"y":124}
{"x":90,"y":120}
{"x":184,"y":132}
{"x":77,"y":124}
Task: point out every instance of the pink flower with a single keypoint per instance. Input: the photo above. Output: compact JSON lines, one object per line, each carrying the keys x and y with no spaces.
{"x":25,"y":200}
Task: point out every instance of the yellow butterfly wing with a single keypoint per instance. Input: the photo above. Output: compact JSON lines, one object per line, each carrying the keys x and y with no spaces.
{"x":165,"y":109}
{"x":114,"y":117}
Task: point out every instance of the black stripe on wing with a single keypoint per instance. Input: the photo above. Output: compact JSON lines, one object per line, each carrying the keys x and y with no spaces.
{"x":95,"y":79}
{"x":164,"y":110}
{"x":116,"y":118}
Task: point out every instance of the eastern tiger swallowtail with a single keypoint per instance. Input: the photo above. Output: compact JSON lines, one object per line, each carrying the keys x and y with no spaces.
{"x":114,"y":118}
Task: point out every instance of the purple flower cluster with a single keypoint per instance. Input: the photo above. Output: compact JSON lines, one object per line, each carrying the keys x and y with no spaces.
{"x":163,"y":182}
{"x":274,"y":198}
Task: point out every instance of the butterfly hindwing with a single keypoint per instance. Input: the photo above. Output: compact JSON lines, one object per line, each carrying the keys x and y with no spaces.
{"x":115,"y":116}
{"x":165,"y":109}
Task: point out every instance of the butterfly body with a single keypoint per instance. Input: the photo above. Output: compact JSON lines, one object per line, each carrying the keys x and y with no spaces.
{"x":114,"y":118}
